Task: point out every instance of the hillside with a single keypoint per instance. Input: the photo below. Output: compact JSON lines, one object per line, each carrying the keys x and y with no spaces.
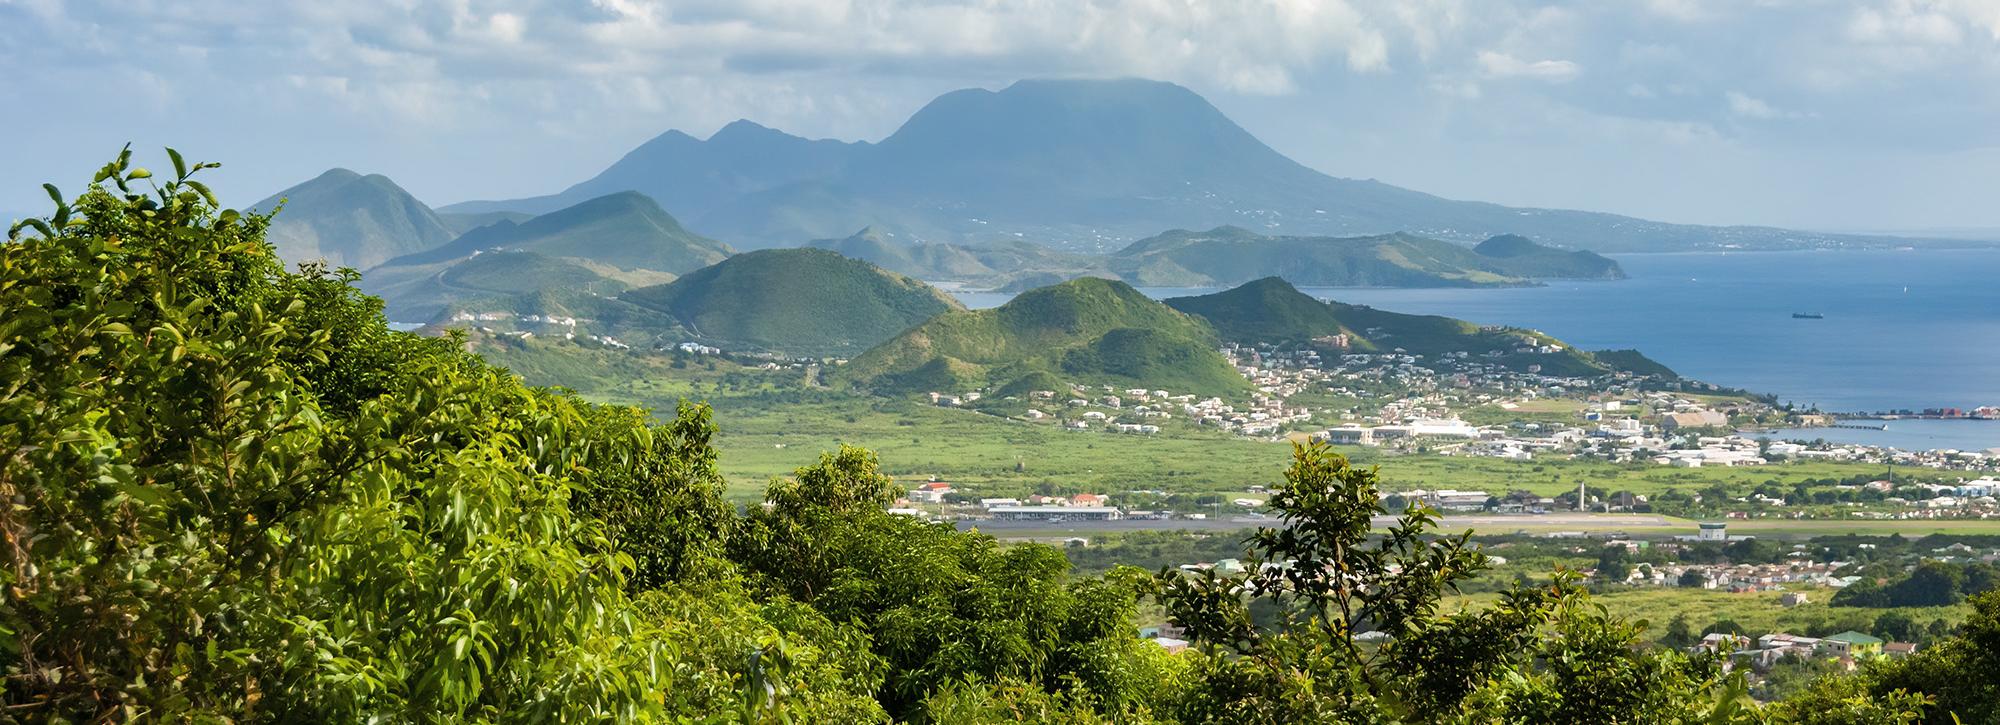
{"x":690,"y":176}
{"x":1267,"y":310}
{"x":351,"y":220}
{"x":626,"y":230}
{"x":808,"y":302}
{"x":1518,"y":256}
{"x":925,"y":260}
{"x":1085,"y":331}
{"x":1086,"y":165}
{"x":1231,"y":255}
{"x":1271,"y":311}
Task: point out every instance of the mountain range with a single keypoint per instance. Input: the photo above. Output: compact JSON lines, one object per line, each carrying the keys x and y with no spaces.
{"x":600,"y":246}
{"x":1227,"y":256}
{"x":1088,"y":165}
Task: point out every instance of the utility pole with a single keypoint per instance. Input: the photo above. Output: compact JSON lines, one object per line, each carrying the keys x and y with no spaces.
{"x":1580,"y":497}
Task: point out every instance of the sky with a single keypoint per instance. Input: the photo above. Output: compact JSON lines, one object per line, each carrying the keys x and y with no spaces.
{"x":1856,"y":115}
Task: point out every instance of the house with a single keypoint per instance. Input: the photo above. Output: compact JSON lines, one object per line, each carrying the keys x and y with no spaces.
{"x":1086,"y":499}
{"x":1040,"y":500}
{"x":1856,"y":644}
{"x":1793,"y":599}
{"x":1899,"y":650}
{"x":1719,"y":641}
{"x":930,"y":492}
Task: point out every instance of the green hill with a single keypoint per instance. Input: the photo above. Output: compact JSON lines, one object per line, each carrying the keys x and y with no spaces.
{"x":1520,"y":256}
{"x":1086,"y":331}
{"x":1273,"y":311}
{"x":1230,"y":256}
{"x":351,"y":220}
{"x":798,"y":301}
{"x":1268,"y":310}
{"x":624,"y":230}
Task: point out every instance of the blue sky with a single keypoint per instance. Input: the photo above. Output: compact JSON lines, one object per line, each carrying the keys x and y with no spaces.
{"x":1866,"y":114}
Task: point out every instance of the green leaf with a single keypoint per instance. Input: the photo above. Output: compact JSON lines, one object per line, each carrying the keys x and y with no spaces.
{"x":180,"y":167}
{"x":54,"y":193}
{"x":138,"y":173}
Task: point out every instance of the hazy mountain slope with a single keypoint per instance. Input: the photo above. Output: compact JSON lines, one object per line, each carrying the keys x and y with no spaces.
{"x":689,"y":176}
{"x":1086,"y":330}
{"x":462,"y":223}
{"x":798,"y":301}
{"x":351,"y":220}
{"x":1231,"y":255}
{"x":1512,"y":254}
{"x":1087,"y":165}
{"x":625,"y":230}
{"x":924,"y":260}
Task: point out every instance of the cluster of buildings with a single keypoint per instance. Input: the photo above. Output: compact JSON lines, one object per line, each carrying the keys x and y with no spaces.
{"x":1768,"y":650}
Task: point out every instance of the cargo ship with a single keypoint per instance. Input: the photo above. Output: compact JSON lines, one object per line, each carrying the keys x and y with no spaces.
{"x":1808,"y":316}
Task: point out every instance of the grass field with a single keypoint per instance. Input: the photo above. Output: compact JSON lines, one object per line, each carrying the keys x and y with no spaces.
{"x":1758,"y":612}
{"x":772,"y":423}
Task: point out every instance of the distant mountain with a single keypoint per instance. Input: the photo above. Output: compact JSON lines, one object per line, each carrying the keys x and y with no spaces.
{"x":1271,"y":311}
{"x":351,"y":220}
{"x":462,"y":223}
{"x":1519,"y":256}
{"x":601,"y":246}
{"x":1231,"y":255}
{"x":1085,"y":331}
{"x":690,"y":176}
{"x":626,"y":230}
{"x":926,"y":260}
{"x":1087,"y":165}
{"x":798,"y":301}
{"x":1000,"y":264}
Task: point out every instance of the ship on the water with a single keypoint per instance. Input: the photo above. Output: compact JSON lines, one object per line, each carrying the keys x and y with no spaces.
{"x":1808,"y":316}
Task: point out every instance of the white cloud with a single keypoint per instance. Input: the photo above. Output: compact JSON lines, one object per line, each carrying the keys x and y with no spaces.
{"x":1501,"y":65}
{"x":1746,"y":106}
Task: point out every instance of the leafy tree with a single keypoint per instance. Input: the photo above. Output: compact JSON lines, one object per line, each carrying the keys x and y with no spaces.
{"x":941,"y":606}
{"x":1679,"y":634}
{"x":1542,"y":654}
{"x":1896,"y":626}
{"x":234,"y":494}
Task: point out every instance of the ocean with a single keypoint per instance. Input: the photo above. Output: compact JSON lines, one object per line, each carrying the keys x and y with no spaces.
{"x":1901,"y":329}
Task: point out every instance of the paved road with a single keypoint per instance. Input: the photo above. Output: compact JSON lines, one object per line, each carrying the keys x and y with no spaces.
{"x":1491,"y":523}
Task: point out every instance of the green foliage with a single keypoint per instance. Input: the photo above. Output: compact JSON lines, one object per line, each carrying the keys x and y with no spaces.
{"x":1930,"y":584}
{"x":1542,"y":654}
{"x":939,"y":605}
{"x":237,"y":494}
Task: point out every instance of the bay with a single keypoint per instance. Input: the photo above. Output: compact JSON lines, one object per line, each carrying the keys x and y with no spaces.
{"x":1902,"y":329}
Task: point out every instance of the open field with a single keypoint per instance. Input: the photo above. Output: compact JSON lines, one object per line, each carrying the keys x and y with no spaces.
{"x":1644,"y":526}
{"x":1757,"y":612}
{"x":772,"y":422}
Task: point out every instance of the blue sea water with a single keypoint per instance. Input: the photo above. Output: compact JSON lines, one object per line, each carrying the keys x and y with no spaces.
{"x":1902,"y":329}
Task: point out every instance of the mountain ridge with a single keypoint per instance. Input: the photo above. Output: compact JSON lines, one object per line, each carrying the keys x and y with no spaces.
{"x":1086,"y":165}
